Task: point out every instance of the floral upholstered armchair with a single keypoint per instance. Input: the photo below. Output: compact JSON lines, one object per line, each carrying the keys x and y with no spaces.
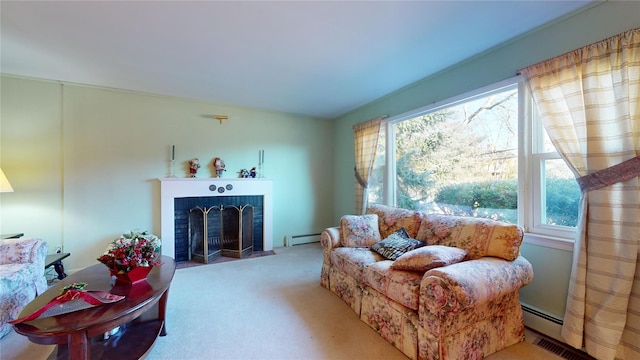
{"x":21,"y":276}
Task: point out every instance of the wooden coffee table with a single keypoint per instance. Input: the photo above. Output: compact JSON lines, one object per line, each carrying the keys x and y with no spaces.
{"x":80,"y":334}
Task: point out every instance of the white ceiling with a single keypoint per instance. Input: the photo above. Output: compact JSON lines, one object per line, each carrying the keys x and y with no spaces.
{"x":317,"y":58}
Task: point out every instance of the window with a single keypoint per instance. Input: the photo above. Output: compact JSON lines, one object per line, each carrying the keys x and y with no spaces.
{"x":555,"y":194}
{"x":375,"y":192}
{"x":480,"y":155}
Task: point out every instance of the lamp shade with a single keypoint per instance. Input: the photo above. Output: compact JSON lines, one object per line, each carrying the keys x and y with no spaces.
{"x":4,"y":183}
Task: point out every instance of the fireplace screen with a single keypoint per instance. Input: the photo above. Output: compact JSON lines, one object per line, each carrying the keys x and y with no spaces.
{"x":225,"y":230}
{"x":204,"y":230}
{"x":237,"y":231}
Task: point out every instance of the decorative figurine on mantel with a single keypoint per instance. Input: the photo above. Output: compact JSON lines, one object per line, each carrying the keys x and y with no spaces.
{"x":244,"y":173}
{"x":252,"y":172}
{"x":219,"y":165}
{"x":194,"y":165}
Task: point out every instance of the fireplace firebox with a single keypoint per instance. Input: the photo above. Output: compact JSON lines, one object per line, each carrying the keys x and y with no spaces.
{"x":220,"y":231}
{"x":210,"y":227}
{"x":247,"y":202}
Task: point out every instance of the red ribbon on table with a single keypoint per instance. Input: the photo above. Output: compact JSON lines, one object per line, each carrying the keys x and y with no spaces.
{"x":90,"y":297}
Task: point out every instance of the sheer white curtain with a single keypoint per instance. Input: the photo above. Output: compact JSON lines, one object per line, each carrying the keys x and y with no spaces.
{"x":365,"y":141}
{"x":589,"y":101}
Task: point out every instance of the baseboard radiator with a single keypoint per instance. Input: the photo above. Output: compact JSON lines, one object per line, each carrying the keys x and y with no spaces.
{"x":542,"y":322}
{"x":291,"y":240}
{"x":550,"y":327}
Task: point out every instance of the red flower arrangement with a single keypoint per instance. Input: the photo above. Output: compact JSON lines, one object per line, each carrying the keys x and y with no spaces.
{"x":130,"y":251}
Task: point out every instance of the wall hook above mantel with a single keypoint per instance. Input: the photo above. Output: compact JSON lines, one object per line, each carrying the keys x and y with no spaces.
{"x":220,"y":118}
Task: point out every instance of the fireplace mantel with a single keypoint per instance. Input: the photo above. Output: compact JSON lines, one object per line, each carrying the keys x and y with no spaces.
{"x":172,"y":188}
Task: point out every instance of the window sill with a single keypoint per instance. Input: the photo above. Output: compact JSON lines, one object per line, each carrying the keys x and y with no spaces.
{"x":548,"y":241}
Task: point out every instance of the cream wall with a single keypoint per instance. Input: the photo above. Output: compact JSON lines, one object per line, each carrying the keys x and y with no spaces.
{"x":551,"y":266}
{"x":84,"y":161}
{"x":31,"y":143}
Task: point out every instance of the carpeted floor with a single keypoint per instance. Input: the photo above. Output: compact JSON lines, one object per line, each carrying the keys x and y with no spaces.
{"x":269,"y":307}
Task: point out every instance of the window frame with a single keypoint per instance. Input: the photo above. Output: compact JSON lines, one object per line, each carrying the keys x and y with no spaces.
{"x":535,"y":156}
{"x":530,"y":161}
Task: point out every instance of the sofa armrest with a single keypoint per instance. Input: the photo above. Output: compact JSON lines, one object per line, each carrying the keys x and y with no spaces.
{"x":330,"y":238}
{"x":454,"y":288}
{"x":23,"y":251}
{"x":29,"y":251}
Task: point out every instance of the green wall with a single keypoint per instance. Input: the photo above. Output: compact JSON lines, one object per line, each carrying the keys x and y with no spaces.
{"x":551,"y":266}
{"x":84,"y":161}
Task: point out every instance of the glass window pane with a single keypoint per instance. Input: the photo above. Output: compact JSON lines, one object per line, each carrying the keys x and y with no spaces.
{"x":375,"y":190}
{"x":561,"y":194}
{"x":380,"y":151}
{"x":548,"y":145}
{"x":461,"y":160}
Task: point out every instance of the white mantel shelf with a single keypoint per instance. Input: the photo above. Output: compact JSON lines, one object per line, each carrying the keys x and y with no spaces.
{"x":172,"y":188}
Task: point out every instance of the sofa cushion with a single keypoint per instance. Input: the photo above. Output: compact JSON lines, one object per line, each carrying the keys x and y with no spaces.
{"x":392,"y":219}
{"x":359,"y":230}
{"x":481,"y":237}
{"x":429,"y":257}
{"x":398,"y":285}
{"x":353,"y":260}
{"x":396,"y":244}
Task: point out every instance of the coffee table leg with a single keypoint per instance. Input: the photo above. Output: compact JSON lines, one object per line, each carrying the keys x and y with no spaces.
{"x":79,"y":346}
{"x":162,"y":308}
{"x":59,"y":268}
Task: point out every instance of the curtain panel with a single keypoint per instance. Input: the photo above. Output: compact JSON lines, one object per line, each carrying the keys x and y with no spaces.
{"x":366,"y":141}
{"x":589,"y":102}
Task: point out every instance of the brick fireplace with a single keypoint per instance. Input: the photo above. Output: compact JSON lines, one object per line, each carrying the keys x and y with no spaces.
{"x":212,"y":192}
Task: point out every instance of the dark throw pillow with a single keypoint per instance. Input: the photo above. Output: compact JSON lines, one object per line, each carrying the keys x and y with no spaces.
{"x":396,"y":244}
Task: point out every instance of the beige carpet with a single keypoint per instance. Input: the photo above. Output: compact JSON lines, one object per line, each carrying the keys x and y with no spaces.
{"x":270,"y":307}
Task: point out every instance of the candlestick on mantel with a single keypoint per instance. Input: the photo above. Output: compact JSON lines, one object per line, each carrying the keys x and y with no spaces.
{"x":172,"y":173}
{"x":261,"y":167}
{"x":172,"y":162}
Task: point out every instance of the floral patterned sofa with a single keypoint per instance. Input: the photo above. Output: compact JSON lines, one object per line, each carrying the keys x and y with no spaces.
{"x":455,"y":298}
{"x":21,"y":276}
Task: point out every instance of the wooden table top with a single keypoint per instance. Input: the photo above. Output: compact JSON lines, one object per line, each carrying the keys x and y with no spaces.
{"x":99,"y":319}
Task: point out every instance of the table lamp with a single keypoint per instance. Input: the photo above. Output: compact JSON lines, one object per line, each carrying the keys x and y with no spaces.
{"x":4,"y":183}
